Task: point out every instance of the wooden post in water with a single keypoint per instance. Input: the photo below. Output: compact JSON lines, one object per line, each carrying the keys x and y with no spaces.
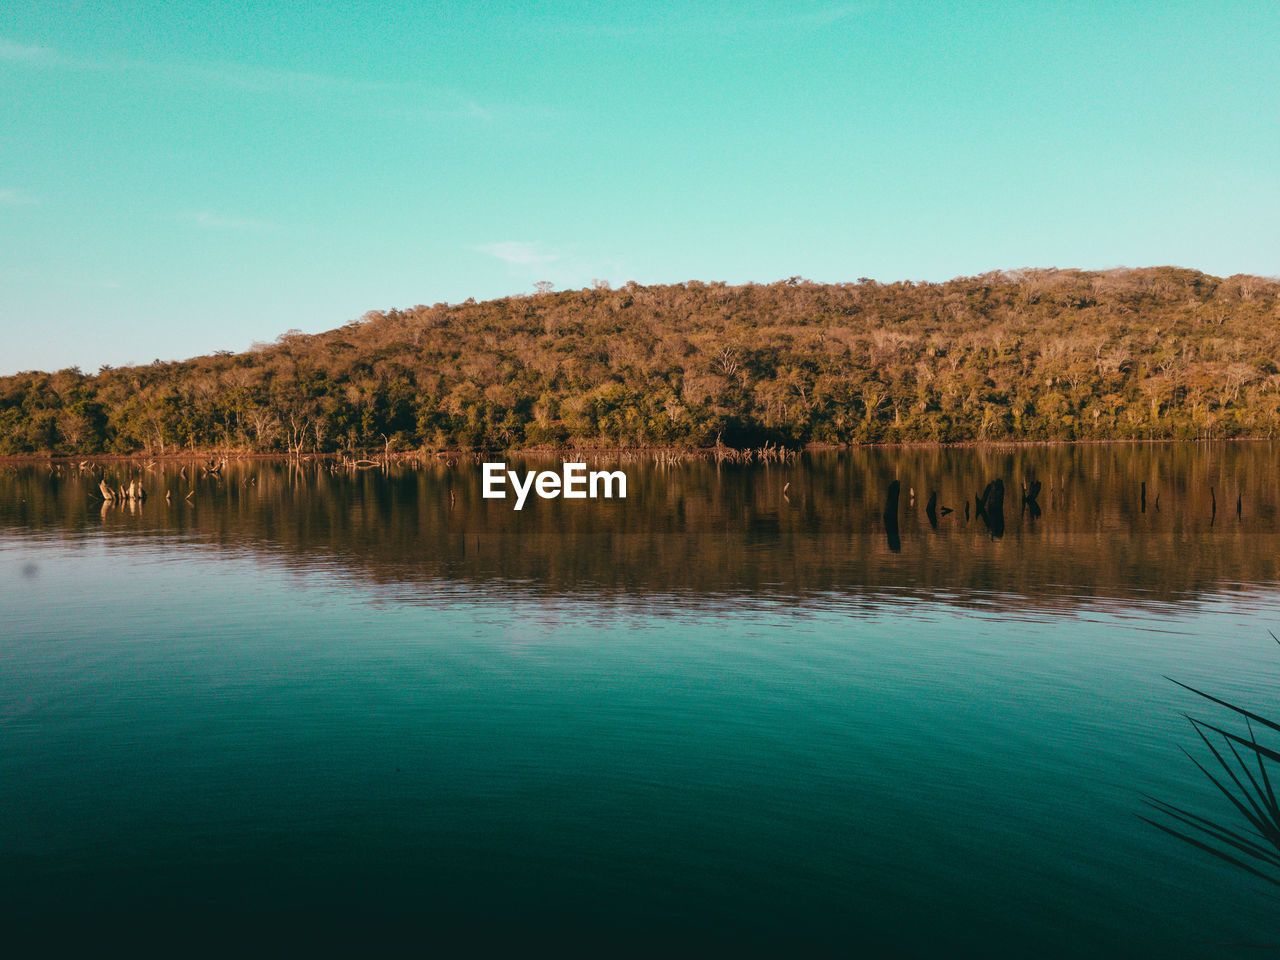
{"x":891,"y":500}
{"x":891,"y":516}
{"x":1030,"y":498}
{"x":1144,"y":496}
{"x":991,"y":507}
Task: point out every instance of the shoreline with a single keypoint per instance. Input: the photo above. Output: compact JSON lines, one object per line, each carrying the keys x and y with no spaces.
{"x":671,"y":454}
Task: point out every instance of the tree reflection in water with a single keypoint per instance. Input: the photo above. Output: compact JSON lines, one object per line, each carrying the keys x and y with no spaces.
{"x":806,"y":531}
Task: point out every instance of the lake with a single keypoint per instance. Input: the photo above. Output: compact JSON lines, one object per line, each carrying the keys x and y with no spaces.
{"x":735,"y":712}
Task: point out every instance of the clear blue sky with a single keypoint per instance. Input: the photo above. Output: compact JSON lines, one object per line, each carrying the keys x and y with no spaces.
{"x":181,"y":178}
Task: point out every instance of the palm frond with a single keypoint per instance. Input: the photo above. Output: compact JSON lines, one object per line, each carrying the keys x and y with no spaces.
{"x":1239,"y":772}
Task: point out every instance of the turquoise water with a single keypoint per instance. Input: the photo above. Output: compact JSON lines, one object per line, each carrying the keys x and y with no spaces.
{"x":231,"y":719}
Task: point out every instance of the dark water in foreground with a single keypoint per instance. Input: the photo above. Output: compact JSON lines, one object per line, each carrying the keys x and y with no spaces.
{"x":308,"y":705}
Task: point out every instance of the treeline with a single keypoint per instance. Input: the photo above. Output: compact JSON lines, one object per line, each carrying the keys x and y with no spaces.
{"x":1158,"y":353}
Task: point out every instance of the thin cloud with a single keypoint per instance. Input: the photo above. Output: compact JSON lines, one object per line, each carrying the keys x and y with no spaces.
{"x":518,"y":252}
{"x":825,"y":16}
{"x":16,"y":198}
{"x":246,"y":78}
{"x":457,"y":104}
{"x":216,"y":221}
{"x":233,"y":76}
{"x":566,"y":267}
{"x":674,"y":26}
{"x":98,"y":284}
{"x":230,"y":75}
{"x":23,"y":53}
{"x":473,"y":109}
{"x":438,"y":104}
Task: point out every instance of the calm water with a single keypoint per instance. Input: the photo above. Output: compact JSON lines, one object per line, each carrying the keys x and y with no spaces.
{"x":713,"y":717}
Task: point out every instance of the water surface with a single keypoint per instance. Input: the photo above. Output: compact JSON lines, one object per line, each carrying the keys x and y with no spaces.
{"x":730,"y":712}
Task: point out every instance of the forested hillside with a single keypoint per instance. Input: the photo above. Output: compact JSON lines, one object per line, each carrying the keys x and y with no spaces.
{"x":1150,"y":353}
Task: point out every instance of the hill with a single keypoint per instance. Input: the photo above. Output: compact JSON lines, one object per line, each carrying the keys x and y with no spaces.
{"x":1160,"y":352}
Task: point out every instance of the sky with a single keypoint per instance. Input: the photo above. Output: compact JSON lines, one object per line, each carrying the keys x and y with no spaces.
{"x":179,"y":178}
